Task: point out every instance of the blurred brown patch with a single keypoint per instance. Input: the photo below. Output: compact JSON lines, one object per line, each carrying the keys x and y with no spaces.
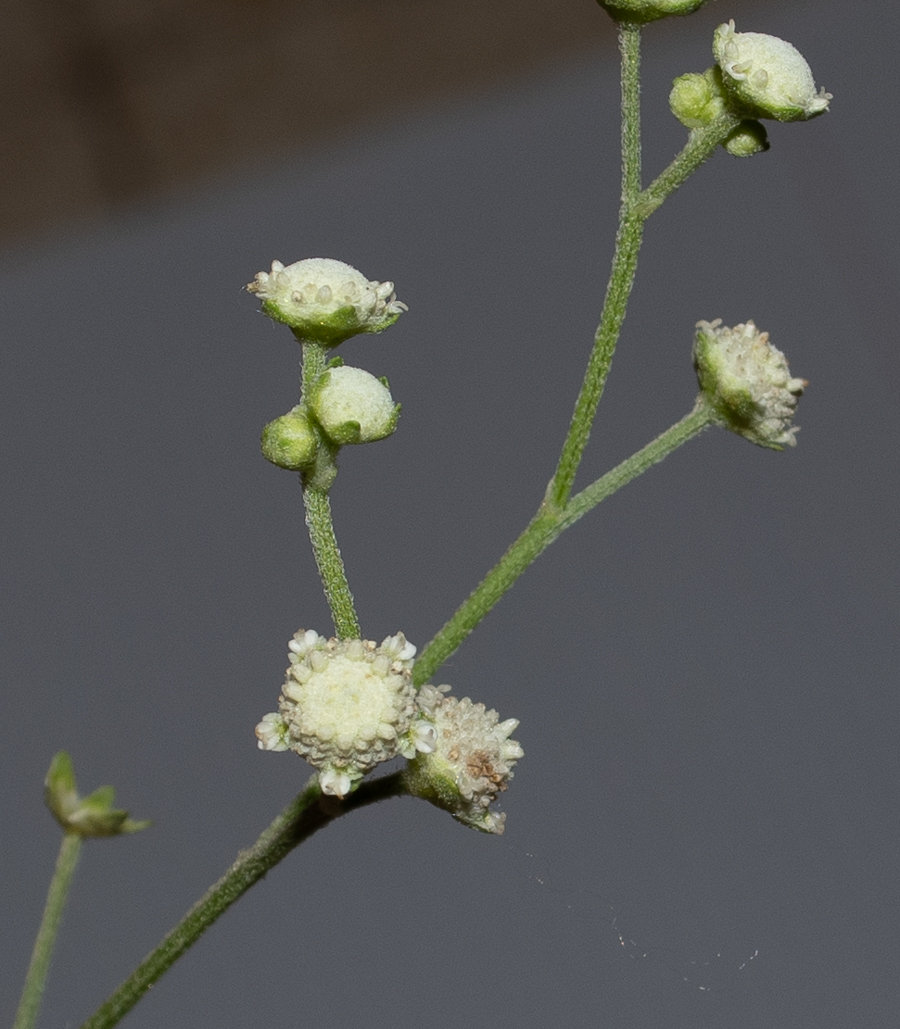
{"x":110,"y":100}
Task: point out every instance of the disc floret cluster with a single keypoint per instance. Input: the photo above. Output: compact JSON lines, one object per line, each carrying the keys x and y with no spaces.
{"x":349,"y":705}
{"x":344,"y":705}
{"x":747,"y":382}
{"x":326,"y":300}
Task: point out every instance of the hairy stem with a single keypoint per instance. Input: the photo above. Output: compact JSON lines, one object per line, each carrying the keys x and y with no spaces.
{"x":319,"y":522}
{"x":701,"y":144}
{"x":36,"y":976}
{"x":330,"y":563}
{"x":621,"y":279}
{"x":541,"y":531}
{"x":308,"y":812}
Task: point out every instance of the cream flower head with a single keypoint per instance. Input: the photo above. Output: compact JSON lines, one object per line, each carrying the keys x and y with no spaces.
{"x":747,"y":382}
{"x":352,"y":406}
{"x":467,"y":761}
{"x":346,"y":706}
{"x":325,"y":300}
{"x":767,"y":76}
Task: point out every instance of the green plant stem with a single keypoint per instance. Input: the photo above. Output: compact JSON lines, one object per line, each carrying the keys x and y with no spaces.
{"x":36,"y":976}
{"x":330,"y":563}
{"x":701,"y":144}
{"x":541,"y":531}
{"x":621,"y":279}
{"x":319,"y":521}
{"x":559,"y":509}
{"x":308,"y":812}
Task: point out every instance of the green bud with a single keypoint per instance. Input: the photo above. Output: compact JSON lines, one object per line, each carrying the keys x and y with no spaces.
{"x":290,"y":441}
{"x":749,"y":138}
{"x":766,"y":77}
{"x":352,"y":406}
{"x":641,"y":11}
{"x":698,"y":99}
{"x":326,"y":301}
{"x":93,"y":815}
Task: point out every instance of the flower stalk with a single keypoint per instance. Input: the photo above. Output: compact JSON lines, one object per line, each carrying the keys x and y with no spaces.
{"x":546,"y":526}
{"x":36,"y":977}
{"x":306,"y":814}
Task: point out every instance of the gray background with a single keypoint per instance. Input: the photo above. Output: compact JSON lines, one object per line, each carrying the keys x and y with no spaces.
{"x":704,"y":830}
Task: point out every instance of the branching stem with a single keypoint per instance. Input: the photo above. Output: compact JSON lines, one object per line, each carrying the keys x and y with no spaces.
{"x":308,"y":812}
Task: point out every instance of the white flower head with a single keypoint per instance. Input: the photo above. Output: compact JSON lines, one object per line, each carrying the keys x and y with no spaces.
{"x":345,"y":706}
{"x":352,"y":406}
{"x":326,"y":300}
{"x":747,"y":382}
{"x":767,"y":76}
{"x":467,"y":760}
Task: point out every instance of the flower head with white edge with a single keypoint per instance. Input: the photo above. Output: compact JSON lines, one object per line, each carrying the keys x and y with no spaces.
{"x":345,"y":706}
{"x":326,"y":301}
{"x":766,"y":76}
{"x":352,"y":406}
{"x":747,"y":382}
{"x":468,"y":760}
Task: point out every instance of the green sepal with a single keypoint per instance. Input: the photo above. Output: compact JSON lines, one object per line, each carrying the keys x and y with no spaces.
{"x":422,"y":779}
{"x":330,"y":331}
{"x":350,"y":433}
{"x":93,"y":815}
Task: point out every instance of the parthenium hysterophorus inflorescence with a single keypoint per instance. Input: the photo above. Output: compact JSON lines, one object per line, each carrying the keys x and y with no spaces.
{"x":347,"y":704}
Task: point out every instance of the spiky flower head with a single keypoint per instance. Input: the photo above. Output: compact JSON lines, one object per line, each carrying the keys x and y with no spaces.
{"x":352,"y":406}
{"x":747,"y":382}
{"x":641,"y":11}
{"x":346,"y":705}
{"x":767,"y":77}
{"x":466,"y":761}
{"x":325,"y":300}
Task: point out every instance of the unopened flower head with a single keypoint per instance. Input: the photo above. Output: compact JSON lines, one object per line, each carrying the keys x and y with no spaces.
{"x":289,"y":441}
{"x":747,"y":382}
{"x":345,"y":706}
{"x":352,"y":406}
{"x":767,"y":77}
{"x":326,"y":301}
{"x":467,"y":759}
{"x":648,"y":10}
{"x":698,"y":98}
{"x":747,"y":138}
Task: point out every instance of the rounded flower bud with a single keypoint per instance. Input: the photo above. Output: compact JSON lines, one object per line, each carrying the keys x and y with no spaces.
{"x":747,"y":382}
{"x":749,"y":138}
{"x":352,"y":406}
{"x":466,"y":759}
{"x":326,"y":301}
{"x":289,"y":441}
{"x":346,"y":705}
{"x":648,"y":10}
{"x":766,"y":76}
{"x":696,"y":100}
